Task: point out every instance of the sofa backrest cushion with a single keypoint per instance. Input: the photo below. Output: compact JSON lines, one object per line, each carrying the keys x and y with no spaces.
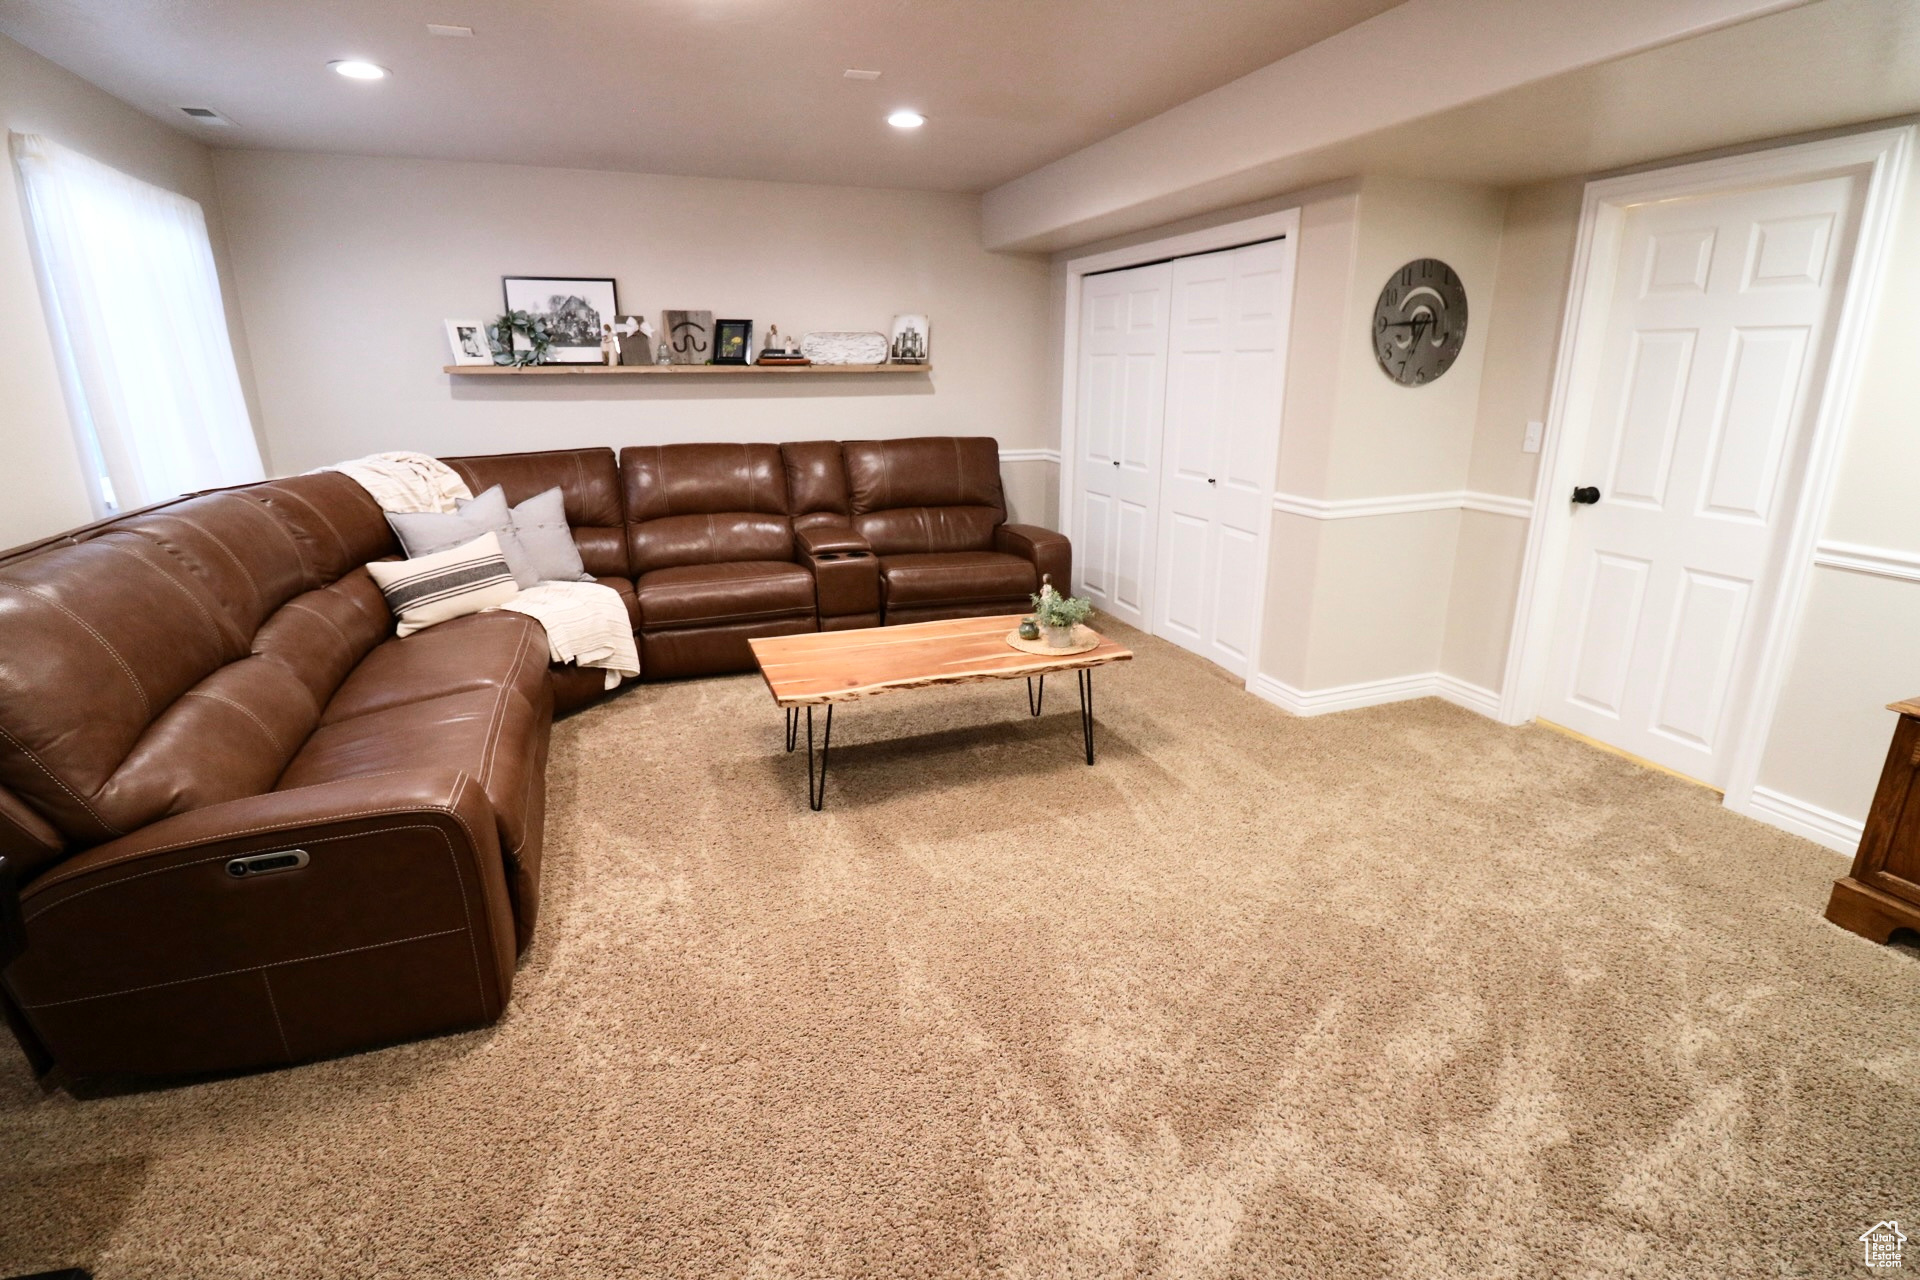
{"x":588,"y":480}
{"x":816,"y":484}
{"x":705,"y":504}
{"x":165,"y":661}
{"x":932,"y":493}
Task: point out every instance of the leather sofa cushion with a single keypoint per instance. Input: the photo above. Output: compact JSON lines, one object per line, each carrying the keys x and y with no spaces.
{"x":625,"y":587}
{"x":705,"y":504}
{"x":816,"y":483}
{"x":711,"y":539}
{"x":334,"y":522}
{"x":956,"y":577}
{"x":588,"y":481}
{"x":928,"y":530}
{"x":930,"y":471}
{"x":492,"y":734}
{"x":480,"y":651}
{"x":245,"y":558}
{"x":692,"y":595}
{"x":129,"y":616}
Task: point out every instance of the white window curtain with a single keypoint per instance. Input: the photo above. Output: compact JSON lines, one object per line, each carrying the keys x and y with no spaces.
{"x":133,"y":301}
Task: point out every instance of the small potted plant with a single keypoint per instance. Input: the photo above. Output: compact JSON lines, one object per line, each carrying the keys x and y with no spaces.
{"x":1058,"y":615}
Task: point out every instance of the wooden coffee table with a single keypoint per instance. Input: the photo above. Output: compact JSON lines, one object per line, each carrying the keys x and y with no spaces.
{"x":825,"y":667}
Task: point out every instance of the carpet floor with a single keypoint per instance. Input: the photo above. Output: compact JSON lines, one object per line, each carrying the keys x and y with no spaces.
{"x":1398,"y":992}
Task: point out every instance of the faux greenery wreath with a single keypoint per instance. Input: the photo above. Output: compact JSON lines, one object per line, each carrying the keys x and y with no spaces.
{"x":501,"y":333}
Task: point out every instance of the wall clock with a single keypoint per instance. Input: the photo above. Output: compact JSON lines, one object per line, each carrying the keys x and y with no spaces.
{"x":1420,"y":322}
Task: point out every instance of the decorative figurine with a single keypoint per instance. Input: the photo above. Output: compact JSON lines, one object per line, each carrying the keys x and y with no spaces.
{"x":609,"y":345}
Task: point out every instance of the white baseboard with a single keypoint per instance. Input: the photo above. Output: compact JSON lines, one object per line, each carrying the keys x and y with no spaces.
{"x":1822,"y":826}
{"x":1373,"y":693}
{"x":1471,"y":696}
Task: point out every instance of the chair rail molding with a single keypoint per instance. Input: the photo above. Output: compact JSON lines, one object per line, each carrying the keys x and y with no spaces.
{"x":1031,"y":455}
{"x":1881,"y":562}
{"x":1402,"y":504}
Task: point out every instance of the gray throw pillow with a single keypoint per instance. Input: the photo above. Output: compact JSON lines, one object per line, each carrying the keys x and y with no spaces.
{"x":540,"y":545}
{"x":422,"y":533}
{"x":540,"y":527}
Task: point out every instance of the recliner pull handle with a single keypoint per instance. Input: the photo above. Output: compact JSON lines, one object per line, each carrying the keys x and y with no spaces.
{"x":262,"y":864}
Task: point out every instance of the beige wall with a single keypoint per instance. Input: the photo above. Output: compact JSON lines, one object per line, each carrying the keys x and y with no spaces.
{"x":41,"y":486}
{"x":348,"y":265}
{"x":1859,"y":643}
{"x":1522,"y":323}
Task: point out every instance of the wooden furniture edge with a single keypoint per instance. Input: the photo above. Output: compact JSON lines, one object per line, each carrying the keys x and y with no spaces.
{"x":671,"y":370}
{"x":1863,"y":909}
{"x":1038,"y":667}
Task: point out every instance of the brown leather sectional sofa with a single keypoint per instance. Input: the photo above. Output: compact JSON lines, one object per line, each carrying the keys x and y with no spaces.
{"x":252,"y":827}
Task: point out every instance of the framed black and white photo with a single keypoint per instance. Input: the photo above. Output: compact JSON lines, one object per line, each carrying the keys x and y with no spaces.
{"x":572,"y":308}
{"x":911,"y":343}
{"x":732,"y":341}
{"x":468,"y":338}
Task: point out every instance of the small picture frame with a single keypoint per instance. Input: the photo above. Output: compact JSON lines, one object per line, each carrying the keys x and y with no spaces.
{"x":912,"y":340}
{"x":732,"y":341}
{"x":468,"y":338}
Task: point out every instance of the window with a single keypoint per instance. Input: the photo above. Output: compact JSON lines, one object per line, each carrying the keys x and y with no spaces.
{"x":133,"y":303}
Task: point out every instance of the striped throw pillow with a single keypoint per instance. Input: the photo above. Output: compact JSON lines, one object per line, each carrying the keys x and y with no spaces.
{"x":445,"y":585}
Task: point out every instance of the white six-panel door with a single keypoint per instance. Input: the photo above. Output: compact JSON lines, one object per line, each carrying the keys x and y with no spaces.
{"x":1224,"y":377}
{"x":1713,"y":360}
{"x":1122,"y":402}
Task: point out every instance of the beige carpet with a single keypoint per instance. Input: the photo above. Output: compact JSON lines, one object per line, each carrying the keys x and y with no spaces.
{"x":1393,"y":993}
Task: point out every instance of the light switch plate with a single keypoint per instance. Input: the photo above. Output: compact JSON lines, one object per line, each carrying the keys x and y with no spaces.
{"x":1535,"y":430}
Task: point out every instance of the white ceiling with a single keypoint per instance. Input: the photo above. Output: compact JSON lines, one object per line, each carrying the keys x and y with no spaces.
{"x":1810,"y":67}
{"x":719,"y":88}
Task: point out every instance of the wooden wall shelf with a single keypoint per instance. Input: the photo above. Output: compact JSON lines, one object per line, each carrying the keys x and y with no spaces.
{"x":676,"y":370}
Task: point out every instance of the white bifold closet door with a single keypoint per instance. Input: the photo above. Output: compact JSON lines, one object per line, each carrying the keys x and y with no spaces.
{"x":1222,"y":427}
{"x":1122,"y":400}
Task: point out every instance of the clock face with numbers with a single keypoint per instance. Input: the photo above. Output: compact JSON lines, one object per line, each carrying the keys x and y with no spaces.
{"x":1420,"y":322}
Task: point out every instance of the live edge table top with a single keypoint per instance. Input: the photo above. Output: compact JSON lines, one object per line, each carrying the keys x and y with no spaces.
{"x":837,"y":666}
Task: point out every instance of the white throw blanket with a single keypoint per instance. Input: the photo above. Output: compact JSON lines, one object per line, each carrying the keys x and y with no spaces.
{"x":406,"y":482}
{"x":586,"y":622}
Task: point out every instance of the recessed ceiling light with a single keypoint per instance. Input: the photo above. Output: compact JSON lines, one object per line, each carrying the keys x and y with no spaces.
{"x":906,"y":119}
{"x":357,"y":69}
{"x":853,"y":74}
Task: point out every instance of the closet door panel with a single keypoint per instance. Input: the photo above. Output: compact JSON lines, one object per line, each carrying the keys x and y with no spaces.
{"x":1122,"y":405}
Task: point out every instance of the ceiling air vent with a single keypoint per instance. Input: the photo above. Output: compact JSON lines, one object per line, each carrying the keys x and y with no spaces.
{"x":207,"y":115}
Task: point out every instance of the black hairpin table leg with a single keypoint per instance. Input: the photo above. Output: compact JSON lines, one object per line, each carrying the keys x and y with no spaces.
{"x":1085,"y":679}
{"x":1036,"y":697}
{"x":817,"y":796}
{"x":793,"y":727}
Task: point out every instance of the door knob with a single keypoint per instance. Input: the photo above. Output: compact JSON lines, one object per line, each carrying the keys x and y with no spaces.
{"x":1116,"y":462}
{"x":1586,"y":494}
{"x":1211,"y":480}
